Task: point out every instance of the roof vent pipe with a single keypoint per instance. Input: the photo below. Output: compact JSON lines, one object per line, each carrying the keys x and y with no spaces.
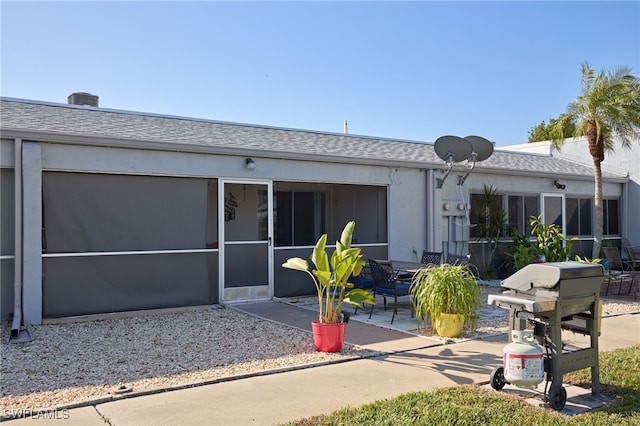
{"x":82,"y":98}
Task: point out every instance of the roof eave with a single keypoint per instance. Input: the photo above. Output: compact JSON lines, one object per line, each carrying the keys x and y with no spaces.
{"x":125,"y":143}
{"x":541,"y":174}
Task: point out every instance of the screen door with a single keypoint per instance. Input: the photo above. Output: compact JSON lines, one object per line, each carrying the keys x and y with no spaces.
{"x":246,"y":249}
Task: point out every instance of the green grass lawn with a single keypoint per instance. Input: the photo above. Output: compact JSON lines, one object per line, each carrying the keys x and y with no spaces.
{"x":472,"y":405}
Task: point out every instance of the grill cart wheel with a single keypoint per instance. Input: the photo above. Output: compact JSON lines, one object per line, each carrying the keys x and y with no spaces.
{"x":497,"y":378}
{"x":557,"y":397}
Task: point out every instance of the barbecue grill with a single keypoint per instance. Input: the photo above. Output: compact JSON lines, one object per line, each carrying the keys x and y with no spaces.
{"x":549,"y":298}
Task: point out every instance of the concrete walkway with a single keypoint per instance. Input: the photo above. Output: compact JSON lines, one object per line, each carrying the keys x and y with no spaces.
{"x":408,"y":363}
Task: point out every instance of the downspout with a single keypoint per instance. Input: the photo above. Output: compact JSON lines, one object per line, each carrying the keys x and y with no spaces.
{"x":429,"y":238}
{"x":17,"y":263}
{"x":625,"y":209}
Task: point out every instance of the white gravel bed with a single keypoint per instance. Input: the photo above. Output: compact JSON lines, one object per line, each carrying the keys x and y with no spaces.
{"x":72,"y":363}
{"x":77,"y":362}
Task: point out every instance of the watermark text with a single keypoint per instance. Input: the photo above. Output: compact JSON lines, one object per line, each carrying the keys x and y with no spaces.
{"x":43,"y":414}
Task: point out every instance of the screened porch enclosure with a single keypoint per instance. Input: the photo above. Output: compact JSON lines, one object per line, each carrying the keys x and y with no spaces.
{"x":305,"y":211}
{"x":114,"y":242}
{"x":118,"y":242}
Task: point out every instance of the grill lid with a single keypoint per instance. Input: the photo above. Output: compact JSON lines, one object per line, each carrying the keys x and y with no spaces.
{"x":548,"y":275}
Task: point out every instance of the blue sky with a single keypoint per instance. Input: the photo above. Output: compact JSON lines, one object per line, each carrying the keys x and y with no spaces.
{"x":407,"y":70}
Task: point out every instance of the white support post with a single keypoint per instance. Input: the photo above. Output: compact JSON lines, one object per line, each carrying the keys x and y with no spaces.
{"x":32,"y":233}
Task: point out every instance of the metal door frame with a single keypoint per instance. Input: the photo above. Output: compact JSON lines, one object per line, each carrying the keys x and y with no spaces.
{"x":268,"y":184}
{"x":563,"y":208}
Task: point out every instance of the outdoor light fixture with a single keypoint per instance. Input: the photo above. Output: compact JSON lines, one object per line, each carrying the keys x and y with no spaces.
{"x":559,"y":185}
{"x":251,"y":165}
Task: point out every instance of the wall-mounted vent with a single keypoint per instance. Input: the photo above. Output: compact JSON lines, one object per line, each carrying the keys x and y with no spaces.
{"x":83,"y":98}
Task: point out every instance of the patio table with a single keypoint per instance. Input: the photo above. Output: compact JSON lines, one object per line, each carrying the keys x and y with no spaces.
{"x":406,"y":269}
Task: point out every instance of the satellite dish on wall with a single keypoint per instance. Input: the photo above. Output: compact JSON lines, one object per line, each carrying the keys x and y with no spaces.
{"x":481,"y":147}
{"x":452,"y":149}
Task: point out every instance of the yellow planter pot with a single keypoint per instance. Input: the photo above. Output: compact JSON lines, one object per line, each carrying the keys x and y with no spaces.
{"x":449,"y":325}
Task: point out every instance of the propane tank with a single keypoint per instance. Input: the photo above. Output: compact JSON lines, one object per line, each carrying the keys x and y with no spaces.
{"x":523,"y":360}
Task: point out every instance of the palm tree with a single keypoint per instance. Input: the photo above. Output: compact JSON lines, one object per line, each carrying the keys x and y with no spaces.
{"x":609,"y":104}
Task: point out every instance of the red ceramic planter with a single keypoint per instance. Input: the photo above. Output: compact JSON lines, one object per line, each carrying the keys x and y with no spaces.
{"x":328,"y":337}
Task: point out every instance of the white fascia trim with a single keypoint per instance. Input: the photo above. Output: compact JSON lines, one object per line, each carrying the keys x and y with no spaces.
{"x":548,"y":175}
{"x":91,"y":140}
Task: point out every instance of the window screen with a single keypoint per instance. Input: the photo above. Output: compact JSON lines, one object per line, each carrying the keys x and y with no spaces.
{"x":299,"y":217}
{"x":611,"y":219}
{"x":95,"y":213}
{"x":98,"y":212}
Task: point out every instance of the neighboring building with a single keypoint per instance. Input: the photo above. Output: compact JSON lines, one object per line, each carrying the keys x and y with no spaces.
{"x":123,"y":211}
{"x":624,"y":161}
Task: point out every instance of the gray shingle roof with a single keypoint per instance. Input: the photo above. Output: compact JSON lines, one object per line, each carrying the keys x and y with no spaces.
{"x":158,"y":131}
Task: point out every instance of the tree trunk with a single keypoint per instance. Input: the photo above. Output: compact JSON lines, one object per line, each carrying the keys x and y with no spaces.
{"x":596,"y":149}
{"x":598,"y":222}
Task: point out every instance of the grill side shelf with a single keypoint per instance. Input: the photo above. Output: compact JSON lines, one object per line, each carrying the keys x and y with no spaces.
{"x":523,"y":302}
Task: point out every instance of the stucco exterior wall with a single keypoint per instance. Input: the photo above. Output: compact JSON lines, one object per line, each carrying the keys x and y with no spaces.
{"x":542,"y":185}
{"x":407,"y":213}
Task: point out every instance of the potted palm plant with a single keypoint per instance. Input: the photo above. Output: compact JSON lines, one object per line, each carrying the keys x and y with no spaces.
{"x":449,"y":294}
{"x":330,"y":276}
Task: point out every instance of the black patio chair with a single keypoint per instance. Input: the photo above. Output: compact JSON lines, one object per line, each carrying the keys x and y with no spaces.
{"x":633,"y":254}
{"x":385,"y":283}
{"x":619,"y":269}
{"x":431,"y":257}
{"x":363,"y":281}
{"x":457,"y":259}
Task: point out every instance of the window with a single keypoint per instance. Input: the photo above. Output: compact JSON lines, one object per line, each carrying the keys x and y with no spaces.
{"x":520,"y":209}
{"x":611,"y":217}
{"x":305,"y":211}
{"x":263,"y":216}
{"x":552,"y":210}
{"x":578,"y":216}
{"x":367,"y":205}
{"x":299,"y":217}
{"x":480,"y":216}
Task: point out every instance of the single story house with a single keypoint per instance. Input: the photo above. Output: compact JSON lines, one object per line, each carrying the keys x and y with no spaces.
{"x":107,"y":211}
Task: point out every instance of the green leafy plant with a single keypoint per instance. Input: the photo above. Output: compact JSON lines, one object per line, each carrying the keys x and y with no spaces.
{"x":587,"y":260}
{"x":491,"y":222}
{"x":522,"y":250}
{"x":550,"y":241}
{"x":445,"y":289}
{"x":331,"y":275}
